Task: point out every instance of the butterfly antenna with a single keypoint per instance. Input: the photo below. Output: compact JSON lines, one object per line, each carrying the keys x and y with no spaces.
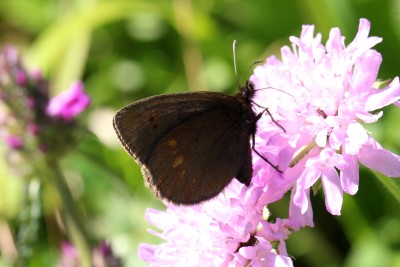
{"x":273,"y":88}
{"x":234,"y":62}
{"x":239,"y":82}
{"x":251,"y":66}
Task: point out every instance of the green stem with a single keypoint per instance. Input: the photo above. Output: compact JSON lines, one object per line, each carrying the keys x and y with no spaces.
{"x":390,"y":185}
{"x":73,"y":222}
{"x":28,"y":222}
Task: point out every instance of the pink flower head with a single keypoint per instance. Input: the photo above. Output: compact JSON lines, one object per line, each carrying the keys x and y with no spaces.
{"x":14,"y":142}
{"x":102,"y":256}
{"x":213,"y":233}
{"x":70,"y":103}
{"x":21,"y":77}
{"x":329,"y":91}
{"x":69,"y":256}
{"x":33,"y":128}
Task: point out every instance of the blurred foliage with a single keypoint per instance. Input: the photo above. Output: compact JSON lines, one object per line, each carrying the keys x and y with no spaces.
{"x":125,"y":50}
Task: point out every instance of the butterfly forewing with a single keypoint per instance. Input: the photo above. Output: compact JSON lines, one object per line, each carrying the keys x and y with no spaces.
{"x":140,"y":124}
{"x":189,"y":147}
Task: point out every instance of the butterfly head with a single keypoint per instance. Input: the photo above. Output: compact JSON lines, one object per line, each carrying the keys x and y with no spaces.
{"x":247,"y":92}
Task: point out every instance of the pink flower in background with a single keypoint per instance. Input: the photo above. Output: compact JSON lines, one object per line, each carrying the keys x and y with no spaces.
{"x":330,"y":92}
{"x":14,"y":142}
{"x":70,"y":103}
{"x":30,"y":123}
{"x":70,"y":256}
{"x":102,"y":256}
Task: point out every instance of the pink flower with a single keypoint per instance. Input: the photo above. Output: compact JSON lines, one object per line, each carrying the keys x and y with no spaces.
{"x":14,"y":142}
{"x":21,"y":77}
{"x":330,"y":90}
{"x":102,"y":256}
{"x":70,"y":103}
{"x":70,"y":256}
{"x":33,"y":128}
{"x":219,"y":232}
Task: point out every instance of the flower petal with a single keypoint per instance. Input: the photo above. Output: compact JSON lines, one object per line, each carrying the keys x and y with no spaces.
{"x":384,"y":97}
{"x":333,"y":191}
{"x":373,"y":156}
{"x":349,"y":177}
{"x":309,"y":176}
{"x":146,"y":251}
{"x":299,"y":216}
{"x":300,"y":199}
{"x":357,"y":134}
{"x":365,"y":72}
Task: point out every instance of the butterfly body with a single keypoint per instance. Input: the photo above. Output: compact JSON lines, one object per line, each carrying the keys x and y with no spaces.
{"x":190,"y":145}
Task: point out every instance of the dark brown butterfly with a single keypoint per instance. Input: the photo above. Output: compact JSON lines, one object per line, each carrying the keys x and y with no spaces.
{"x":191,"y":145}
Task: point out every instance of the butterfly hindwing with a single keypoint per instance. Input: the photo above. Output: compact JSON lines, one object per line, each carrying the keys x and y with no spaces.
{"x":198,"y":158}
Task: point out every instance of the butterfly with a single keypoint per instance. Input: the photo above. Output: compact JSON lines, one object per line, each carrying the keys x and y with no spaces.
{"x":191,"y":145}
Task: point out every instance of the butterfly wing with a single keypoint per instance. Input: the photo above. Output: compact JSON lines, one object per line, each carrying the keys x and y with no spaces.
{"x":190,"y":145}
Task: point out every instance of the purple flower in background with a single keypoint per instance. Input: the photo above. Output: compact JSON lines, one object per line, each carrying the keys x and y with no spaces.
{"x":70,"y":103}
{"x":330,"y":92}
{"x":33,"y":142}
{"x":70,"y":256}
{"x":14,"y":142}
{"x":102,"y":256}
{"x":27,"y":114}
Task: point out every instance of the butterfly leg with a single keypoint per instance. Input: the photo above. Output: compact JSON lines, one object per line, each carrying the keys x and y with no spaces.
{"x":261,"y":156}
{"x":274,"y":121}
{"x":254,"y":140}
{"x":270,"y":115}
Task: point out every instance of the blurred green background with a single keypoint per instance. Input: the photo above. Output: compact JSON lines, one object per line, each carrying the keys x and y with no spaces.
{"x":126,"y":50}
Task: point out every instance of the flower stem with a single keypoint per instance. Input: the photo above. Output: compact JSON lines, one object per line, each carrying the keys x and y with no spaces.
{"x":72,"y":220}
{"x":28,"y":221}
{"x":390,"y":185}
